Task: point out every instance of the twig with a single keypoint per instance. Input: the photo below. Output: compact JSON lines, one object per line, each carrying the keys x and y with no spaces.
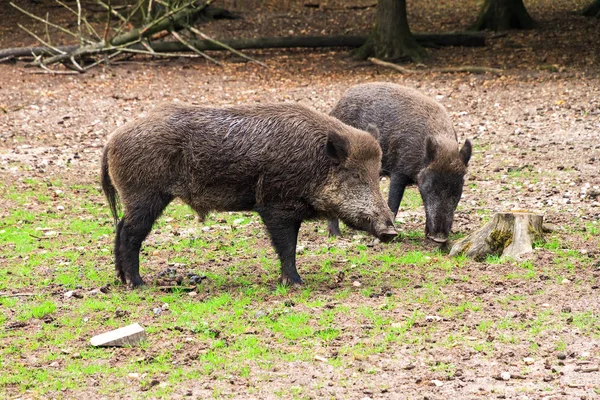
{"x":17,"y":294}
{"x":68,"y":32}
{"x":126,"y":20}
{"x":107,"y":27}
{"x":135,"y":51}
{"x":6,"y":59}
{"x":59,"y":51}
{"x":90,"y":28}
{"x":223,"y":45}
{"x":104,"y":59}
{"x":386,"y":64}
{"x":77,"y":66}
{"x":111,"y":10}
{"x":172,"y":12}
{"x":466,"y":68}
{"x":79,"y":23}
{"x":195,"y":50}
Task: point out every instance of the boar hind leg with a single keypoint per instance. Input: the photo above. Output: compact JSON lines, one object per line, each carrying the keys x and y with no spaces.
{"x":333,"y":227}
{"x":132,"y":230}
{"x":397,"y":185}
{"x":284,"y":235}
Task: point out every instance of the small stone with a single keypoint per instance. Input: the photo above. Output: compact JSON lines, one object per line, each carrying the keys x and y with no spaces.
{"x":260,"y":314}
{"x":437,"y":383}
{"x":54,"y":364}
{"x":163,"y":385}
{"x":566,"y":309}
{"x":133,"y":375}
{"x":128,"y":335}
{"x":528,"y":360}
{"x":192,"y":294}
{"x":320,"y":358}
{"x":545,"y":305}
{"x":356,"y":284}
{"x":76,"y":355}
{"x":561,"y":356}
{"x":73,"y":293}
{"x":505,"y":376}
{"x":300,"y":249}
{"x":60,"y":208}
{"x":565,"y":281}
{"x":157,"y":311}
{"x":433,"y":318}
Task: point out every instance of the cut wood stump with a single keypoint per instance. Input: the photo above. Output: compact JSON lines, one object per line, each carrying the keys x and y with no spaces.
{"x":508,"y":234}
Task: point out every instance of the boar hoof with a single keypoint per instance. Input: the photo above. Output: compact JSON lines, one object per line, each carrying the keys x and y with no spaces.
{"x":291,"y":281}
{"x":136,"y":282}
{"x":438,"y":239}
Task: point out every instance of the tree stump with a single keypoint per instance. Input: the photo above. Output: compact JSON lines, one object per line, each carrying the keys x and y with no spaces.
{"x":509,"y":234}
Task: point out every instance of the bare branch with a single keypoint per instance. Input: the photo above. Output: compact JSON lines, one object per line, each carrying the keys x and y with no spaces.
{"x":110,"y":9}
{"x":60,"y":28}
{"x":223,"y":45}
{"x":195,"y":50}
{"x":90,"y":28}
{"x":42,"y":41}
{"x":465,"y":68}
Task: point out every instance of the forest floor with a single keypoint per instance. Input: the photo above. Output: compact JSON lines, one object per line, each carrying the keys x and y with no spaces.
{"x":402,"y":320}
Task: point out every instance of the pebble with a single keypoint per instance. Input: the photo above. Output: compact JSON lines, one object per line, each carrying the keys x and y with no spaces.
{"x":157,"y":311}
{"x":565,"y":281}
{"x":528,"y":360}
{"x":133,"y":375}
{"x":60,"y":208}
{"x":356,"y":284}
{"x":260,"y":313}
{"x":505,"y":376}
{"x":320,"y":358}
{"x":433,"y":318}
{"x":437,"y":383}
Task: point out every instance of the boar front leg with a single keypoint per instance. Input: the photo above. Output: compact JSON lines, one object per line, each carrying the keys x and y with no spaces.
{"x":283,"y":229}
{"x":397,"y":185}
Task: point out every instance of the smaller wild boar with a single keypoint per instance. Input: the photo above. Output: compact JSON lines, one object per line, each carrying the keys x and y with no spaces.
{"x":419,"y":146}
{"x":284,"y":161}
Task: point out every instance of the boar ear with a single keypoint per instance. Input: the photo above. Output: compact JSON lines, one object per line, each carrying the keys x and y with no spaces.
{"x":430,"y":150}
{"x":465,"y":152}
{"x":373,"y":130}
{"x":337,"y":147}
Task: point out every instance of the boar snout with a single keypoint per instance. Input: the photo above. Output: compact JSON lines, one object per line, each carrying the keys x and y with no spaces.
{"x":384,"y":229}
{"x":387,"y":235}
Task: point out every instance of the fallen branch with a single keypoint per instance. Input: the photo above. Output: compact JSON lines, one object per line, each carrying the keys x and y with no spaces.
{"x":466,"y":68}
{"x":195,"y":50}
{"x":264,"y":43}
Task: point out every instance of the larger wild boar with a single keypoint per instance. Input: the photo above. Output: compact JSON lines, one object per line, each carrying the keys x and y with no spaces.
{"x":419,"y":147}
{"x":284,"y":161}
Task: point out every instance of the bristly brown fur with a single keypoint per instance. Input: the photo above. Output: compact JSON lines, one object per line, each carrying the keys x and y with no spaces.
{"x":284,"y":161}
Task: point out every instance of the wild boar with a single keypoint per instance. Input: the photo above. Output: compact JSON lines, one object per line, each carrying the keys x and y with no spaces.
{"x":419,"y":146}
{"x":285,"y":161}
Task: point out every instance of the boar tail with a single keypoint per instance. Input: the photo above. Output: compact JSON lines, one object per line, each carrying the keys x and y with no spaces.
{"x":108,"y":187}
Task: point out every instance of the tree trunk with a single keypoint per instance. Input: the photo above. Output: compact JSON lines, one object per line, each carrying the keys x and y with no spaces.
{"x":501,"y":15}
{"x":593,"y":10}
{"x":509,"y":234}
{"x":391,"y":38}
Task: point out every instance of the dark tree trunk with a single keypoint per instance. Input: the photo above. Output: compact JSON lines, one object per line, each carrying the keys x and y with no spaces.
{"x":593,"y":10}
{"x":391,"y":38}
{"x":500,"y":15}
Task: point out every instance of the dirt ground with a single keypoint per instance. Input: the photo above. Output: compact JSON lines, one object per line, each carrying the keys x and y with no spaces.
{"x":536,"y":136}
